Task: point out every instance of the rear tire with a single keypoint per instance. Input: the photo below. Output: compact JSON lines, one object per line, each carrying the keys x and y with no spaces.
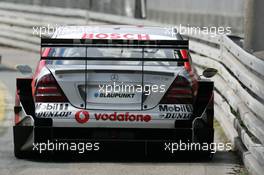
{"x":203,"y":134}
{"x":21,"y":154}
{"x":206,"y":156}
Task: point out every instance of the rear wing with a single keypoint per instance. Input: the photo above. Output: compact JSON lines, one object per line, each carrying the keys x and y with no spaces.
{"x":107,"y":43}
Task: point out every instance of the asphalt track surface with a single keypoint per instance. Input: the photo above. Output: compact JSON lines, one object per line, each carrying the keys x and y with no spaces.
{"x":222,"y":163}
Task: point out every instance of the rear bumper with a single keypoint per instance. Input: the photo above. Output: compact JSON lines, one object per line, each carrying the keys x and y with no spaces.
{"x":119,"y":141}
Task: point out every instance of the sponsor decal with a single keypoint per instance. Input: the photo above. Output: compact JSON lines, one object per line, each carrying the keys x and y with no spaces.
{"x":114,"y":77}
{"x":176,"y":111}
{"x":116,"y":36}
{"x":187,"y":108}
{"x":82,"y":116}
{"x":52,"y":106}
{"x":123,"y":117}
{"x":50,"y":114}
{"x":179,"y":116}
{"x":114,"y":95}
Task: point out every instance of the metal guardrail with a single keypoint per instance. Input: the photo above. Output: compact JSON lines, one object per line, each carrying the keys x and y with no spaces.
{"x":239,"y":95}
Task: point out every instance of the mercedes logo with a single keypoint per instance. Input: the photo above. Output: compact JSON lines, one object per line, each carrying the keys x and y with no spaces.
{"x":114,"y":77}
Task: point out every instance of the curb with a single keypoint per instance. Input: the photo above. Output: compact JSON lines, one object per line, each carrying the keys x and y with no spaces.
{"x":2,"y":102}
{"x":7,"y":68}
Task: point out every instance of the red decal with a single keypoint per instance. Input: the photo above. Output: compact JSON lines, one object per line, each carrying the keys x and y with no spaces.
{"x":46,"y":51}
{"x":184,"y":54}
{"x":129,"y":36}
{"x":143,"y":37}
{"x":187,"y":65}
{"x":84,"y":36}
{"x":115,"y":36}
{"x":97,"y":116}
{"x":88,"y":36}
{"x":17,"y":118}
{"x":82,"y":116}
{"x":123,"y":117}
{"x":101,"y":36}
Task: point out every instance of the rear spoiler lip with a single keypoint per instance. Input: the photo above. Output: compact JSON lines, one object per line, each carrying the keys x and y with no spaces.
{"x":52,"y":42}
{"x":58,"y":72}
{"x":114,"y":59}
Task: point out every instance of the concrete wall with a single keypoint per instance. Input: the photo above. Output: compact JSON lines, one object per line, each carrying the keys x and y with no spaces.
{"x":228,"y":13}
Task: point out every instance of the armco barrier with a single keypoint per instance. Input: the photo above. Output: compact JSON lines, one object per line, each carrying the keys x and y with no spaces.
{"x":239,"y":95}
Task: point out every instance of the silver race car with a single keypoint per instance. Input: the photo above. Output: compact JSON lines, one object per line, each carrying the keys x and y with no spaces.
{"x":109,"y":86}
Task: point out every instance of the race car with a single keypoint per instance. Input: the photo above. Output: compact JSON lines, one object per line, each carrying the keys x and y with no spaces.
{"x":107,"y":86}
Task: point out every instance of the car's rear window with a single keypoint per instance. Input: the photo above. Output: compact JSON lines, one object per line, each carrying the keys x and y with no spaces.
{"x":113,"y":52}
{"x":109,"y":52}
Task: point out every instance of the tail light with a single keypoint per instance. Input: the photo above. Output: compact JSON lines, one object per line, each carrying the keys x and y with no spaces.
{"x":48,"y":90}
{"x":180,"y":92}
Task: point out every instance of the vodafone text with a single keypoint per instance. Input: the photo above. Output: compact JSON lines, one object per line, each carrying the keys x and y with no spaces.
{"x":123,"y":117}
{"x":84,"y":116}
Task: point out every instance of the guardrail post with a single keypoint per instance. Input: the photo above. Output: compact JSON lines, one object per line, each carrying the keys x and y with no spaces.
{"x":254,"y":25}
{"x":141,"y":9}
